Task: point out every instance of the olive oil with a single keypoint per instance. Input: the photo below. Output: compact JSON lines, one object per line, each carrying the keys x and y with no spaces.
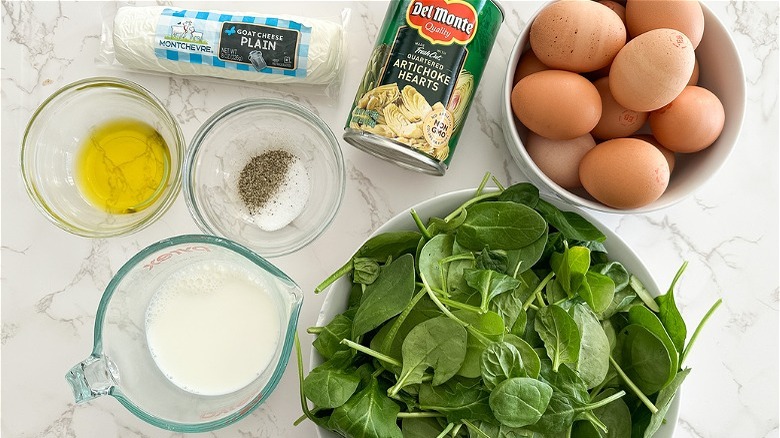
{"x":123,"y":166}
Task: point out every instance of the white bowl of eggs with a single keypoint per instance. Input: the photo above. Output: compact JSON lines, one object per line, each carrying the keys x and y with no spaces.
{"x":623,"y":107}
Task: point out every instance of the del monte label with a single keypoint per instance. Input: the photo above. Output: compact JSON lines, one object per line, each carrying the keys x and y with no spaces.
{"x":443,"y":22}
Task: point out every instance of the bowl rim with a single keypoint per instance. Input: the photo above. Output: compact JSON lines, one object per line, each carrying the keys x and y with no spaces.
{"x":526,"y":164}
{"x":253,"y":104}
{"x":168,"y":196}
{"x":333,"y":296}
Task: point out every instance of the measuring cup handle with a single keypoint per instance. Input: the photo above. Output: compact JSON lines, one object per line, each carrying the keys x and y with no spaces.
{"x":93,"y":377}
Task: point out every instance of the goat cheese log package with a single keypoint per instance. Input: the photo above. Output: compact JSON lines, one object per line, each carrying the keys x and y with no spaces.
{"x":232,"y":45}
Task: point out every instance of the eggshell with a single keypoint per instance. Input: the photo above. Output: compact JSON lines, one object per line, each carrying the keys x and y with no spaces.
{"x":669,"y":155}
{"x":556,"y":104}
{"x":652,"y":69}
{"x":616,"y":120}
{"x":692,"y":122}
{"x":694,"y":80}
{"x":577,"y":35}
{"x":617,"y":8}
{"x":624,"y":173}
{"x":559,"y":159}
{"x":686,"y":16}
{"x":528,"y":64}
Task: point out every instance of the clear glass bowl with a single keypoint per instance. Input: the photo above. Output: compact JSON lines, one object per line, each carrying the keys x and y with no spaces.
{"x":224,"y":145}
{"x":54,"y":138}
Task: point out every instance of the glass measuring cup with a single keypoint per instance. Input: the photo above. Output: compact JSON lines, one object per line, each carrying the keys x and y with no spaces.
{"x":122,"y":365}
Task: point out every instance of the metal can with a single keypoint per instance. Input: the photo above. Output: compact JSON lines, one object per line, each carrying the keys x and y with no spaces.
{"x":421,"y":77}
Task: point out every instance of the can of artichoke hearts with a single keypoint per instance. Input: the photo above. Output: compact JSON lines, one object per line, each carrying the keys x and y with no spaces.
{"x":413,"y":100}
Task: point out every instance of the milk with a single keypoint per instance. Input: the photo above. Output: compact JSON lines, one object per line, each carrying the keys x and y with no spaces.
{"x":212,"y":328}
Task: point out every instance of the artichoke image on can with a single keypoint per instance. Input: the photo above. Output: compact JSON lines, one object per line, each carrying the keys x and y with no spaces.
{"x":412,"y":102}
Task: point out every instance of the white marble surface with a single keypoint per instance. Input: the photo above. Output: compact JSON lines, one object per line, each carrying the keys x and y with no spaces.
{"x":52,"y":281}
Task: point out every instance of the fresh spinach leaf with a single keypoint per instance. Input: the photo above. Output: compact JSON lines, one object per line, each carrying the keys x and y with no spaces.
{"x":646,"y":318}
{"x":520,"y":401}
{"x":645,"y":359}
{"x":328,"y":340}
{"x":616,"y":416}
{"x":458,"y":399}
{"x":489,"y":283}
{"x":501,"y":361}
{"x":500,"y":225}
{"x":386,"y":297}
{"x":438,"y":343}
{"x":364,"y":270}
{"x":531,"y":362}
{"x":664,"y":401}
{"x":521,"y":193}
{"x":330,"y":388}
{"x":570,"y":267}
{"x":614,"y":270}
{"x":420,"y":427}
{"x":369,"y":413}
{"x":560,"y":335}
{"x":597,"y":290}
{"x":491,"y":326}
{"x":670,"y":314}
{"x":593,"y":362}
{"x":493,"y":260}
{"x":570,"y":224}
{"x":430,"y":261}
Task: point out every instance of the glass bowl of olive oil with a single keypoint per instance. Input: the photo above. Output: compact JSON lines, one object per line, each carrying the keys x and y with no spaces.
{"x":102,"y":157}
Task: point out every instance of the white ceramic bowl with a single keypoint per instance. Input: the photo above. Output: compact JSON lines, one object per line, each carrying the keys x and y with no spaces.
{"x":338,"y":294}
{"x":721,"y":73}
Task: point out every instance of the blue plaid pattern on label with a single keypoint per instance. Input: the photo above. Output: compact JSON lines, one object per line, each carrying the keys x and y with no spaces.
{"x":266,"y":45}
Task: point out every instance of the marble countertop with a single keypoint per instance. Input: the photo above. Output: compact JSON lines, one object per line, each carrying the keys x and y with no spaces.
{"x":52,"y":281}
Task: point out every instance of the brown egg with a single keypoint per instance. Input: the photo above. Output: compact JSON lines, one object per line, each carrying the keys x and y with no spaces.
{"x":556,"y":104}
{"x":692,"y":122}
{"x":695,"y":75}
{"x":669,"y":155}
{"x":577,"y":35}
{"x":652,"y":69}
{"x":624,"y":173}
{"x":528,"y":64}
{"x":683,"y":15}
{"x":617,"y":8}
{"x":616,"y":120}
{"x":559,"y":159}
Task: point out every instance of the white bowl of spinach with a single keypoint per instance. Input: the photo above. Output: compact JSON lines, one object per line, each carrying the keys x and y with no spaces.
{"x":492,"y":314}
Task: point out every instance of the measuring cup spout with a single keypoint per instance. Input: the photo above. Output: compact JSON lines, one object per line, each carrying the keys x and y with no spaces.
{"x":93,"y":377}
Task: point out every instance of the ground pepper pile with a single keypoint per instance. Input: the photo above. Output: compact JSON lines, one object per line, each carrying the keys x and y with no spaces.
{"x":262,"y":178}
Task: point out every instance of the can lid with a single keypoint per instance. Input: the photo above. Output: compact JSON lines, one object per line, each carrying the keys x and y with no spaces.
{"x":500,"y":8}
{"x":395,"y":152}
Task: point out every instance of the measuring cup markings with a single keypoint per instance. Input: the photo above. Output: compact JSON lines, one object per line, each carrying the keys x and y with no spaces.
{"x":163,"y":257}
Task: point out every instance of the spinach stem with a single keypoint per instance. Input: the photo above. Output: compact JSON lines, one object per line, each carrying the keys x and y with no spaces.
{"x":483,"y":183}
{"x":633,"y":387}
{"x":497,"y":183}
{"x":370,"y":352}
{"x":304,"y":406}
{"x":695,"y":335}
{"x":474,"y":332}
{"x":474,"y":428}
{"x":605,"y":401}
{"x":315,"y":330}
{"x":538,"y":290}
{"x":420,"y":226}
{"x":419,"y":415}
{"x":461,"y":306}
{"x":677,"y":276}
{"x":470,"y":202}
{"x":446,"y":430}
{"x":456,"y":429}
{"x":594,"y":420}
{"x":342,"y":271}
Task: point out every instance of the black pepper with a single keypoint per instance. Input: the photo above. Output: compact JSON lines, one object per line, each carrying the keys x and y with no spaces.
{"x":262,"y":176}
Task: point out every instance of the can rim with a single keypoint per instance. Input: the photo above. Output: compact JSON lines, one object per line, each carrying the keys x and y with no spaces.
{"x":394,"y":152}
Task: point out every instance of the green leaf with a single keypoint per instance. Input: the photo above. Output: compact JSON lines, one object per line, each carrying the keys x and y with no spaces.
{"x":614,"y":270}
{"x":641,"y":291}
{"x":645,"y":359}
{"x":500,"y":225}
{"x":489,"y":283}
{"x":664,"y":401}
{"x":670,"y":314}
{"x":458,"y":399}
{"x":328,"y":341}
{"x":386,"y":297}
{"x":531,"y":362}
{"x":593,"y":363}
{"x":521,"y":193}
{"x":560,"y":335}
{"x":520,"y":401}
{"x":501,"y":361}
{"x":616,"y":416}
{"x":390,"y":245}
{"x":491,"y":326}
{"x":420,"y":427}
{"x":368,"y":414}
{"x":430,"y":265}
{"x":570,"y":267}
{"x":526,"y":257}
{"x":646,"y":318}
{"x":571,"y":225}
{"x":439,"y":343}
{"x":330,"y":388}
{"x":597,"y":290}
{"x":364,"y":271}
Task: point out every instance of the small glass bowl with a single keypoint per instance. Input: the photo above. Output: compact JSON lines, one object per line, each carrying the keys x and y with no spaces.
{"x":54,"y":138}
{"x":236,"y":134}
